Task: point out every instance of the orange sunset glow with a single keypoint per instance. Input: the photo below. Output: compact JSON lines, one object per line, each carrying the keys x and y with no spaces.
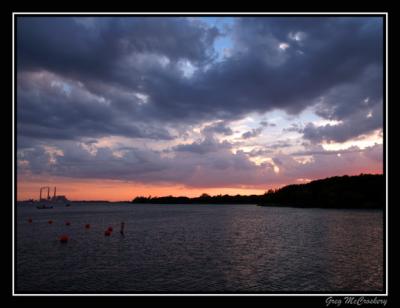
{"x":119,"y":191}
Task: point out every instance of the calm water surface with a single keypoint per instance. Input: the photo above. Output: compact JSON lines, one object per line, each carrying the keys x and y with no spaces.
{"x":199,"y":248}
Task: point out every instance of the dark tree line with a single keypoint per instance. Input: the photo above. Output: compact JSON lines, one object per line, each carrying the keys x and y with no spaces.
{"x":203,"y":199}
{"x":362,"y":191}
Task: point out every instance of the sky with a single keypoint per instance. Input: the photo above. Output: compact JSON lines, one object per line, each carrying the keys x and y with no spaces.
{"x":110,"y":108}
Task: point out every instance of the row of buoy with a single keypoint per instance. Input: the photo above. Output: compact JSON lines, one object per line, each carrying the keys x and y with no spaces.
{"x":65,"y":238}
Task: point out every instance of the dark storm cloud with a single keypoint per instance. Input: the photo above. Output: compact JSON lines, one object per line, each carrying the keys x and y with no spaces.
{"x":266,"y":123}
{"x":218,"y":128}
{"x":260,"y":76}
{"x":362,"y":121}
{"x":127,"y":75}
{"x":252,"y":133}
{"x":93,"y":46}
{"x":52,"y":109}
{"x":209,"y":144}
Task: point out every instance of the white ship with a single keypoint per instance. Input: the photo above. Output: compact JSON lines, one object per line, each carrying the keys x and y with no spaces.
{"x":49,"y":202}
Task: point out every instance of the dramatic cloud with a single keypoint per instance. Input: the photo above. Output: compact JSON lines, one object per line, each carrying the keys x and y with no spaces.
{"x":253,"y":133}
{"x":198,"y":165}
{"x":207,"y":145}
{"x":99,"y":47}
{"x":194,"y":102}
{"x":125,"y":60}
{"x":217,"y":128}
{"x":57,"y":109}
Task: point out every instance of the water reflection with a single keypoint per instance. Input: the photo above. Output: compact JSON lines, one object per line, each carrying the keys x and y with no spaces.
{"x":200,"y":248}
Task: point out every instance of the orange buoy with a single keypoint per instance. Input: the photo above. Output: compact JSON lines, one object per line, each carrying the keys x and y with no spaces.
{"x":107,"y":233}
{"x":67,"y":223}
{"x":110,"y":229}
{"x":50,"y":222}
{"x":87,"y":226}
{"x":64,"y":238}
{"x":30,"y":220}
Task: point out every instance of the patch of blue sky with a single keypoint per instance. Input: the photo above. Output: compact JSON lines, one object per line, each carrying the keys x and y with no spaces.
{"x":224,"y":43}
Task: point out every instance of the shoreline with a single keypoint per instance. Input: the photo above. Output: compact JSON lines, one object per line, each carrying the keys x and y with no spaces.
{"x":281,"y":205}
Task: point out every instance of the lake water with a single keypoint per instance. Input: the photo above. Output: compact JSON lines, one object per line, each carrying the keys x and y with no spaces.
{"x":199,"y":249}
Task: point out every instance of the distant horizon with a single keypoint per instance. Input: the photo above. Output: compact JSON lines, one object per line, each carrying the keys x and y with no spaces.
{"x":192,"y":195}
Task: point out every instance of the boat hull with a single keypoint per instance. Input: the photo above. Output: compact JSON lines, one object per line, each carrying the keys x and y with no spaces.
{"x":44,"y":207}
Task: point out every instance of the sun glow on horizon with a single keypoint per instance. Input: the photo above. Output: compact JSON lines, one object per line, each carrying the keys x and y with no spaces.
{"x":123,"y":191}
